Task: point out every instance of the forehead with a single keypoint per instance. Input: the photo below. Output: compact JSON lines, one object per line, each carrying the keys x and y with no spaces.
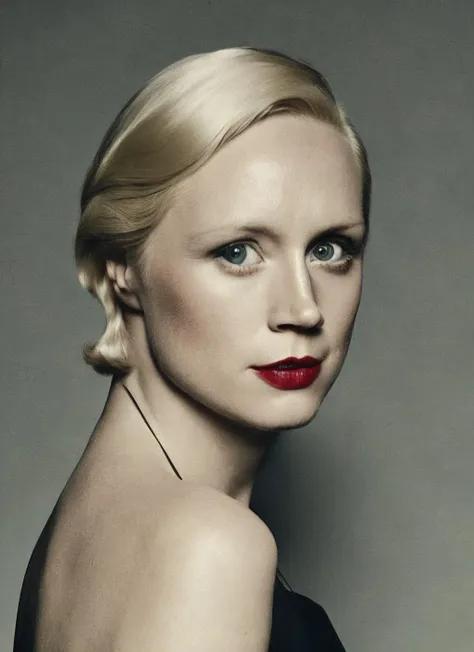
{"x":283,"y":167}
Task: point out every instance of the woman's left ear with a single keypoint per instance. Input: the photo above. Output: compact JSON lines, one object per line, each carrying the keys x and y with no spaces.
{"x":124,"y":283}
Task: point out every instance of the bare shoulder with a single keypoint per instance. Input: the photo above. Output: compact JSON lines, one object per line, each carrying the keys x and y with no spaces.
{"x":158,"y":566}
{"x":208,"y":514}
{"x":210,"y":585}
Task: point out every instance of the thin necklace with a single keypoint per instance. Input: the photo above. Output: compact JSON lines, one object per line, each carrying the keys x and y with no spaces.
{"x":140,"y":411}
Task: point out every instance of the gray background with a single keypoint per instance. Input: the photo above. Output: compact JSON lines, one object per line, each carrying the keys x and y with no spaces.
{"x":372,"y":505}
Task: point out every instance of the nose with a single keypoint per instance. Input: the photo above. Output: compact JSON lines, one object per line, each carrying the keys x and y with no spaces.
{"x":294,"y":300}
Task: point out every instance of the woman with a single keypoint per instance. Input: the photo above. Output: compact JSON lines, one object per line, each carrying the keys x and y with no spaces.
{"x":223,"y":225}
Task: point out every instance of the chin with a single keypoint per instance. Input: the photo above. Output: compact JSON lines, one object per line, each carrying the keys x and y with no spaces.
{"x":285,"y":419}
{"x":300,"y":421}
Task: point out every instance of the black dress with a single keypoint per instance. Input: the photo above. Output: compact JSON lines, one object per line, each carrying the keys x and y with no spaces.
{"x":300,"y":625}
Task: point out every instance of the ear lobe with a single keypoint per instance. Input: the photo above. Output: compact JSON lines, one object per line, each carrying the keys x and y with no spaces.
{"x":123,"y":283}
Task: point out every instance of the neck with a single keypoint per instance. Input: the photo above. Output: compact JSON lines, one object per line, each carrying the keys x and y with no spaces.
{"x":205,"y":448}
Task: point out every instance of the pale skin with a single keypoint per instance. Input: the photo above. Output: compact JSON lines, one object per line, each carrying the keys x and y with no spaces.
{"x":138,"y":559}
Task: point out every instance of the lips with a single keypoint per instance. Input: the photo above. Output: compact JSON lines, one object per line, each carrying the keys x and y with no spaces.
{"x":291,"y":373}
{"x":292,"y":363}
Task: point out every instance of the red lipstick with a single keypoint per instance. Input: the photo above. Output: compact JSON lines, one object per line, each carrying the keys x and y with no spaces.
{"x":290,"y":373}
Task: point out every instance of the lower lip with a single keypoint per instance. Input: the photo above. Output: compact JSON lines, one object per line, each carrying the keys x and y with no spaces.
{"x":290,"y":378}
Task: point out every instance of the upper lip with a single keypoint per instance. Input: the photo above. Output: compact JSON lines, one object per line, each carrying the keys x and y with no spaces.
{"x":307,"y":361}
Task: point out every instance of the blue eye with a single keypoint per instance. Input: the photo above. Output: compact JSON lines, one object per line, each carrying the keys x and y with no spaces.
{"x":236,"y":253}
{"x":324,"y":252}
{"x":331,"y":255}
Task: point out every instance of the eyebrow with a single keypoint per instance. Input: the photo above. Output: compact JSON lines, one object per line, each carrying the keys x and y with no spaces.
{"x":269,"y":233}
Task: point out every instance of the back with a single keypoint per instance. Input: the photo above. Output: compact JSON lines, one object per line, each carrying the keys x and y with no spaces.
{"x":150,"y":564}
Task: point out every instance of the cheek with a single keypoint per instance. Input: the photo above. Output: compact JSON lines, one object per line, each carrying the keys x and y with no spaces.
{"x":191,"y":315}
{"x":173,"y":312}
{"x":342,"y":303}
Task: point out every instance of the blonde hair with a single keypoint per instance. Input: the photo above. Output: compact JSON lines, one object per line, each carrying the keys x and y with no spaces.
{"x":166,"y":131}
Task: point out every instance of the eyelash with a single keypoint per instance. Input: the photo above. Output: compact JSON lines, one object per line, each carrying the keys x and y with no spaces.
{"x":351,"y":249}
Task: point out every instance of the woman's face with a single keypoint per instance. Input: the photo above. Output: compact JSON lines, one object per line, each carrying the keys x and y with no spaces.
{"x":260,"y":259}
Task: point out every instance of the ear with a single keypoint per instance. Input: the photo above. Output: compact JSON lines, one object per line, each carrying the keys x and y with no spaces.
{"x":124,"y":283}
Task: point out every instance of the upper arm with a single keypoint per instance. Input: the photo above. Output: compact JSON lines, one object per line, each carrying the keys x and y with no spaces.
{"x":211,"y":590}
